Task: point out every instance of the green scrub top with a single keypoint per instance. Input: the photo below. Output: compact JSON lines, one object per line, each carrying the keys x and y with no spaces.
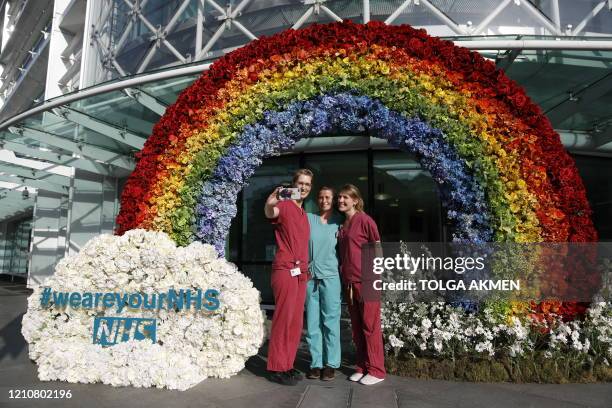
{"x":322,"y":246}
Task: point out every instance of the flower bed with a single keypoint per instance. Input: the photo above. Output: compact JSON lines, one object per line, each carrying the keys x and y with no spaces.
{"x":500,"y":342}
{"x":535,"y":368}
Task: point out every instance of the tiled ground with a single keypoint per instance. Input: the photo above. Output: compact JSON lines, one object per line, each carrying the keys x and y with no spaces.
{"x":250,"y":389}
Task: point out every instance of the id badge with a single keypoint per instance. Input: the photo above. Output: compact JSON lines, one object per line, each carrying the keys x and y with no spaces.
{"x":295,"y":271}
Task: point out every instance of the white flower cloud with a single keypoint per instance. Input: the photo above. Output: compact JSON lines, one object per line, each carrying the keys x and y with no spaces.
{"x":190,"y":345}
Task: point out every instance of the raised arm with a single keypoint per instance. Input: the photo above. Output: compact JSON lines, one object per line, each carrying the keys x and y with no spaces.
{"x":270,"y":208}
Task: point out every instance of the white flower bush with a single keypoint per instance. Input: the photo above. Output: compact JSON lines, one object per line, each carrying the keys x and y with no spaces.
{"x":190,"y":346}
{"x":443,"y":331}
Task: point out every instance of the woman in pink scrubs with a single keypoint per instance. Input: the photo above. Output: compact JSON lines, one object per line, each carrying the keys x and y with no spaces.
{"x":359,"y":228}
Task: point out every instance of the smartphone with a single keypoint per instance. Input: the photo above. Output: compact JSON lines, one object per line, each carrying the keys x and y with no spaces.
{"x":289,"y":194}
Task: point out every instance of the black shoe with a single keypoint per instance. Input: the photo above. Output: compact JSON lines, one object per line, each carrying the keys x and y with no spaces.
{"x":283,"y":377}
{"x":314,"y":374}
{"x":328,"y":374}
{"x":296,"y":374}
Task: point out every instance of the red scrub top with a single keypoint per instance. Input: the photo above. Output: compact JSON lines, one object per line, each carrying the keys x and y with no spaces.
{"x":292,"y":233}
{"x":360,"y":230}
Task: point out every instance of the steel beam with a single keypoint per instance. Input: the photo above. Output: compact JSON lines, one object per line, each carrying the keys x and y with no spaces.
{"x":534,"y":11}
{"x":211,"y":42}
{"x":32,"y":183}
{"x":9,"y":168}
{"x":490,"y":17}
{"x":298,"y":24}
{"x":114,"y":132}
{"x":146,"y":100}
{"x":536,"y":44}
{"x":556,"y":15}
{"x":507,"y":58}
{"x":159,"y":35}
{"x":127,"y":30}
{"x":57,"y":158}
{"x":585,"y":96}
{"x":331,"y":13}
{"x":589,"y":17}
{"x":398,"y":12}
{"x":227,"y":17}
{"x":443,"y":17}
{"x":82,"y":149}
{"x":199,"y":27}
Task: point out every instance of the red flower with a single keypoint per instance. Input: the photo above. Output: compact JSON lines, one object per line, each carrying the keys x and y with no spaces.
{"x":565,"y":212}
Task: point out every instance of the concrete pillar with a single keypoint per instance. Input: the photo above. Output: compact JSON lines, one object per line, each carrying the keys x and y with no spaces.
{"x":63,"y":224}
{"x":4,"y":259}
{"x":48,"y":235}
{"x":97,"y":13}
{"x":93,"y":208}
{"x":56,"y":67}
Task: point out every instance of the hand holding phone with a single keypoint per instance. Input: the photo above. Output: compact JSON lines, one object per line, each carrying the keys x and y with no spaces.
{"x":286,"y":193}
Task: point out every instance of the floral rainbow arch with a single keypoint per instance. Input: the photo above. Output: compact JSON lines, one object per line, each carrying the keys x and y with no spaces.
{"x":501,"y":168}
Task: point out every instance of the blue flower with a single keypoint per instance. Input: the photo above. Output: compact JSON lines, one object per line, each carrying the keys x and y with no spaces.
{"x":461,"y":195}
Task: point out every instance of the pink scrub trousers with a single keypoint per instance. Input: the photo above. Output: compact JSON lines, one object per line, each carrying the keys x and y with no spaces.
{"x":367,"y":333}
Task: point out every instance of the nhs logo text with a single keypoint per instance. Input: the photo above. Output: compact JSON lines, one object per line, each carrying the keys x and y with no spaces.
{"x":108,"y":331}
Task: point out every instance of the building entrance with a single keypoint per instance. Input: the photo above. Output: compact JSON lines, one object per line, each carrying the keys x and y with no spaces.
{"x":399,"y":194}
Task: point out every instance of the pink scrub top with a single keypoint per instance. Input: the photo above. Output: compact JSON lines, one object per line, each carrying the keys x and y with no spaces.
{"x":360,"y":230}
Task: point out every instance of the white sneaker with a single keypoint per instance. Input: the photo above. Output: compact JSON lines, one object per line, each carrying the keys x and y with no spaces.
{"x":356,"y":377}
{"x":370,"y":380}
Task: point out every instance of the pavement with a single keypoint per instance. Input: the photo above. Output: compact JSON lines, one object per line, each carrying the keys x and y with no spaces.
{"x":251,"y":389}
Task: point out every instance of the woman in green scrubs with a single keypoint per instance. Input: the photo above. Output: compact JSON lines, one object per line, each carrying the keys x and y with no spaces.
{"x":323,"y":292}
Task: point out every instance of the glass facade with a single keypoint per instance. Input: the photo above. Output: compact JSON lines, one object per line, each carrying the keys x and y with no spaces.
{"x":15,"y":246}
{"x":405,"y":202}
{"x":228,"y":24}
{"x":595,"y":173}
{"x":400,"y":196}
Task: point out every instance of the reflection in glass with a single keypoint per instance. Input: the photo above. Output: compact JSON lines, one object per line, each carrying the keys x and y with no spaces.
{"x":335,"y":170}
{"x":15,"y":246}
{"x":406,"y":203}
{"x":595,"y":173}
{"x":403,"y":202}
{"x":257,"y":233}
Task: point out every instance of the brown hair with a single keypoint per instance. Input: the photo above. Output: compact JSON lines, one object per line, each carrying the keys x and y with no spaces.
{"x":300,"y":172}
{"x":353,"y":192}
{"x":333,"y":191}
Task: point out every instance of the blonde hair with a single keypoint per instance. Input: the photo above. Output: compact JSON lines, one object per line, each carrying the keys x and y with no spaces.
{"x":353,"y":192}
{"x":302,"y":172}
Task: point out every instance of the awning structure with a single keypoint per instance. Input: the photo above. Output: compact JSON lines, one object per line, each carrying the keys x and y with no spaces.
{"x":99,"y":129}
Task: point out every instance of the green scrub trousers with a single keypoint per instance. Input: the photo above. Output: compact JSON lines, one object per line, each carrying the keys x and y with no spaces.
{"x":323,"y":294}
{"x":323,"y":300}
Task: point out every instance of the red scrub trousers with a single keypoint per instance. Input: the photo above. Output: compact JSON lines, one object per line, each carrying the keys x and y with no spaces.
{"x":291,"y":231}
{"x":289,"y":296}
{"x":367,"y":334}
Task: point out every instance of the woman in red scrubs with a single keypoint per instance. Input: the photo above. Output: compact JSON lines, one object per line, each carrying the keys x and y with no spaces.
{"x":359,"y":228}
{"x":289,"y":278}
